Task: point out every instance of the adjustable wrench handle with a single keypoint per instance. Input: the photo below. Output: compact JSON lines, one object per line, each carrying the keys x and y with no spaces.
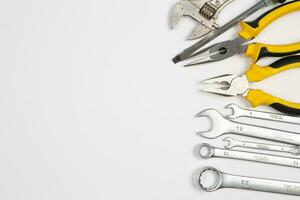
{"x":257,"y":157}
{"x":265,"y":133}
{"x":260,"y":184}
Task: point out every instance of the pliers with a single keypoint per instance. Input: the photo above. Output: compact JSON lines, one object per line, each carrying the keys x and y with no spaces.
{"x":249,"y":30}
{"x":232,"y":85}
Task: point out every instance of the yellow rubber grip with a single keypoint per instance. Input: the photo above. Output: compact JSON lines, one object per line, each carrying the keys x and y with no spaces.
{"x":258,"y":50}
{"x":252,"y":29}
{"x":259,"y":97}
{"x":258,"y":73}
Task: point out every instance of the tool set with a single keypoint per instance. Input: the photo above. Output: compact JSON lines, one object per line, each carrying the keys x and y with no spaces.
{"x":206,"y":12}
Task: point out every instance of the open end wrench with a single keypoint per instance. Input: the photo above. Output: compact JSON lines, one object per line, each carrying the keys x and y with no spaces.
{"x":221,"y":126}
{"x":237,"y":112}
{"x":207,"y":151}
{"x":232,"y":143}
{"x":223,"y":180}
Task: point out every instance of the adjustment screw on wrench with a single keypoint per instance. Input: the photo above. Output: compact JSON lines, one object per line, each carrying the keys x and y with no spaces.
{"x":207,"y":151}
{"x":223,"y":180}
{"x":232,"y":143}
{"x":221,"y":126}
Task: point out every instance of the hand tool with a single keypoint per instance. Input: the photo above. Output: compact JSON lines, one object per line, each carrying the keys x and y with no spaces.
{"x":232,"y":143}
{"x":221,"y":126}
{"x":231,"y":85}
{"x":250,"y":30}
{"x":207,"y":151}
{"x":192,"y":51}
{"x":202,"y":179}
{"x":205,"y":12}
{"x":238,"y":112}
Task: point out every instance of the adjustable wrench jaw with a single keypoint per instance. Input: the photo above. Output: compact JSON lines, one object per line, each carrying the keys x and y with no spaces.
{"x":205,"y":12}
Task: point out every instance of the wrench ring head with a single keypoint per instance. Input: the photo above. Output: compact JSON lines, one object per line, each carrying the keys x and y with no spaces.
{"x":205,"y":150}
{"x":200,"y":179}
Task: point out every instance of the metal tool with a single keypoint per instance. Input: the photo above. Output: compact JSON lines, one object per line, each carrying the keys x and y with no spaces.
{"x":210,"y":179}
{"x":192,"y":51}
{"x":221,"y":126}
{"x":250,"y":30}
{"x":232,"y":85}
{"x":238,"y":112}
{"x":205,"y":12}
{"x":232,"y":143}
{"x":207,"y":151}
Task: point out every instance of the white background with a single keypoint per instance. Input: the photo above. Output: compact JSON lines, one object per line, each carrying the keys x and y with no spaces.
{"x":92,"y":107}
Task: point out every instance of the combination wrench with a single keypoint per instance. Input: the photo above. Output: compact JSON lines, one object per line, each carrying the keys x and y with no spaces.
{"x":221,"y":126}
{"x":238,"y":112}
{"x":224,"y":180}
{"x":207,"y":151}
{"x":232,"y":143}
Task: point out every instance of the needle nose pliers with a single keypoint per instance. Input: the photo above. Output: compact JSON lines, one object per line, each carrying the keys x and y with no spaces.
{"x":232,"y":85}
{"x":250,"y":30}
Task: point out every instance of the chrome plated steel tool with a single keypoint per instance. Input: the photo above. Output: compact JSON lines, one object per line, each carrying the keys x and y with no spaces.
{"x":210,"y":179}
{"x":238,"y":112}
{"x":232,"y":143}
{"x":205,"y":12}
{"x":207,"y":151}
{"x":221,"y":126}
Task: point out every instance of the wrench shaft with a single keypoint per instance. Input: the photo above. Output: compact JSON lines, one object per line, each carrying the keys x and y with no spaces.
{"x":260,"y":184}
{"x":268,"y":147}
{"x":265,"y":133}
{"x":257,"y":157}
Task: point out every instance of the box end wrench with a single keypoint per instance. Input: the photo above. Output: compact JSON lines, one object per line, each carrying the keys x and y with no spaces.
{"x":224,"y":180}
{"x":206,"y":151}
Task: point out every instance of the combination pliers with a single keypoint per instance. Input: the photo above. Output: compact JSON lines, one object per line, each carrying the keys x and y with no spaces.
{"x":232,"y":85}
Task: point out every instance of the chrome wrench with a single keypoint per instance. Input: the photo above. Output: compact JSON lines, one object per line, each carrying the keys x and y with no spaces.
{"x":232,"y":143}
{"x":221,"y":126}
{"x":205,"y":12}
{"x":207,"y":151}
{"x":224,"y":180}
{"x":237,"y":112}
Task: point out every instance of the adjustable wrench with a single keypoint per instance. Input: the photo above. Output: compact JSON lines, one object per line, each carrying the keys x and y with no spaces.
{"x":223,"y":180}
{"x":254,"y":145}
{"x":205,"y":12}
{"x":237,"y":112}
{"x":221,"y":126}
{"x":207,"y":151}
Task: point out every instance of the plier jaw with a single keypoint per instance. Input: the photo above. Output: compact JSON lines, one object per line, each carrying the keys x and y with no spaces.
{"x":219,"y":51}
{"x":228,"y":85}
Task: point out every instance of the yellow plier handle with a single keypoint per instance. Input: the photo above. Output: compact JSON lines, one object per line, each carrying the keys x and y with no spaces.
{"x":251,"y":29}
{"x":258,"y":97}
